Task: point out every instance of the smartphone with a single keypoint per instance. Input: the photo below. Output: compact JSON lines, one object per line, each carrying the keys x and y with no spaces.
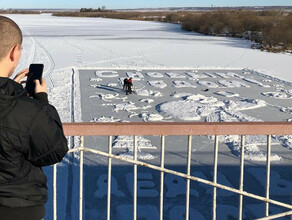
{"x":35,"y":72}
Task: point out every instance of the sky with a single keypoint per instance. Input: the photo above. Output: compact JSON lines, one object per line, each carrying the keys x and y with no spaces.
{"x":123,"y":4}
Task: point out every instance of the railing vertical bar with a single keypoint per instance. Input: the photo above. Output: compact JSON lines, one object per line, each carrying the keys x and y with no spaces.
{"x":81,"y":179}
{"x":109,"y":178}
{"x":268,"y":173}
{"x":55,"y":191}
{"x":135,"y":180}
{"x":188,"y":173}
{"x":215,"y":176}
{"x":162,"y":176}
{"x":241,"y":176}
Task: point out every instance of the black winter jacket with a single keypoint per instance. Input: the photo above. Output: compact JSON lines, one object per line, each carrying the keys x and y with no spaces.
{"x":31,"y":136}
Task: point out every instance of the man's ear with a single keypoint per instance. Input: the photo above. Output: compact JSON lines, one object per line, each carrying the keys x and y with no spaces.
{"x":14,"y":53}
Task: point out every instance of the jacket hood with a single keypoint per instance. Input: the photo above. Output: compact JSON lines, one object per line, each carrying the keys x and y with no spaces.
{"x":9,"y":92}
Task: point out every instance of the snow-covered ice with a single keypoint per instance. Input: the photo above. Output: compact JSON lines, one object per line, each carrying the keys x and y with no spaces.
{"x":142,"y":92}
{"x":256,"y":82}
{"x":107,"y":74}
{"x":226,"y":94}
{"x":155,"y":75}
{"x":180,"y":95}
{"x":157,"y":84}
{"x":175,"y":75}
{"x":105,"y":119}
{"x":196,"y":76}
{"x":146,"y":100}
{"x":95,"y":79}
{"x":127,"y":142}
{"x":208,"y":84}
{"x":182,"y":84}
{"x":151,"y":117}
{"x":232,"y":83}
{"x":278,"y":95}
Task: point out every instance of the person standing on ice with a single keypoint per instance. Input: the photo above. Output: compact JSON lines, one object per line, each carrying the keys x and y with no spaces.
{"x":125,"y":84}
{"x":31,"y":135}
{"x":129,"y":87}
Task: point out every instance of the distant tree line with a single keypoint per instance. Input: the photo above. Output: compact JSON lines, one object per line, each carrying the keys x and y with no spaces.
{"x":128,"y":15}
{"x":102,"y":9}
{"x":13,"y":11}
{"x":270,"y":29}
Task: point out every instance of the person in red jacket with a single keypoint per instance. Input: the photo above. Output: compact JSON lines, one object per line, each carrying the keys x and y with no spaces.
{"x":31,"y":135}
{"x":129,"y":87}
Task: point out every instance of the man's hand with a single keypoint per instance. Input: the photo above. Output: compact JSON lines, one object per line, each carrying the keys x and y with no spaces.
{"x":20,"y":76}
{"x":40,"y":87}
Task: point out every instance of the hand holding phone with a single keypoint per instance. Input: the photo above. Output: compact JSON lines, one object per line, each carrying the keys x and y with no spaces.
{"x":35,"y":73}
{"x":40,"y":86}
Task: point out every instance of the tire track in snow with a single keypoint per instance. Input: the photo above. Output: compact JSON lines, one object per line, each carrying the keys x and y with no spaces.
{"x":52,"y":66}
{"x":42,"y":52}
{"x":144,"y":58}
{"x":238,"y":59}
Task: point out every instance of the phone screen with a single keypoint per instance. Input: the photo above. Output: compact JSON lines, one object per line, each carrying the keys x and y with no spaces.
{"x":35,"y":72}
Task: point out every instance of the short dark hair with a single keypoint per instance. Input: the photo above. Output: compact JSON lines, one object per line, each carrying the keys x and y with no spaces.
{"x":10,"y":36}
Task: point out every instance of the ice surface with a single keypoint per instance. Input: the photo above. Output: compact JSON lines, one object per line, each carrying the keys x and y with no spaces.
{"x":178,"y":213}
{"x":142,"y":92}
{"x":146,"y":100}
{"x":253,"y":152}
{"x":233,"y":83}
{"x":105,"y":97}
{"x":176,"y":186}
{"x":151,"y":117}
{"x":180,"y":95}
{"x":105,"y":119}
{"x":226,"y":93}
{"x":196,"y":76}
{"x":127,"y":142}
{"x":288,"y":110}
{"x":182,"y":84}
{"x":140,"y":155}
{"x":145,"y":185}
{"x":278,"y":186}
{"x":158,"y":84}
{"x":256,"y":82}
{"x":155,"y":74}
{"x":182,"y":109}
{"x":129,"y":106}
{"x":146,"y":212}
{"x":228,"y":212}
{"x":175,"y":75}
{"x":107,"y":74}
{"x":101,"y":191}
{"x":278,"y":95}
{"x":95,"y":79}
{"x":222,"y":180}
{"x":208,"y":84}
{"x":258,"y":210}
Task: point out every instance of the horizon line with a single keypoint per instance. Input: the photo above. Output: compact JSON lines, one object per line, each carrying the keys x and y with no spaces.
{"x":172,"y":7}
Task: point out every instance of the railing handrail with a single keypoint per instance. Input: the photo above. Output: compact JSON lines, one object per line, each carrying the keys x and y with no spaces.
{"x":177,"y":128}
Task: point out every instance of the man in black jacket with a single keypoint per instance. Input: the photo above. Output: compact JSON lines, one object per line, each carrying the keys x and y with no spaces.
{"x":31,"y":135}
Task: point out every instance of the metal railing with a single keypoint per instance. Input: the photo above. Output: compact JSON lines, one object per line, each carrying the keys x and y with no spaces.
{"x":168,"y":129}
